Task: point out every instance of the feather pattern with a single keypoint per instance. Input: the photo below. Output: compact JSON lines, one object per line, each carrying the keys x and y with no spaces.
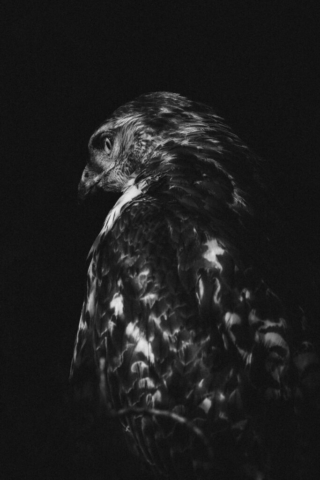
{"x":181,"y":315}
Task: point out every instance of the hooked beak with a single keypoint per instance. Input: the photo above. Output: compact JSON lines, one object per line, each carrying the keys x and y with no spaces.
{"x":89,"y":182}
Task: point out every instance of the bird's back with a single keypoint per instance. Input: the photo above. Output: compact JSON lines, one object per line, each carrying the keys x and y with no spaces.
{"x":199,"y":349}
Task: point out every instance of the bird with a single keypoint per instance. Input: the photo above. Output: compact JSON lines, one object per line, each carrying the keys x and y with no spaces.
{"x":193,"y":319}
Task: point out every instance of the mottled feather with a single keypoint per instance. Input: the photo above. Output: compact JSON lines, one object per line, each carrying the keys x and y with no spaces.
{"x":185,"y":312}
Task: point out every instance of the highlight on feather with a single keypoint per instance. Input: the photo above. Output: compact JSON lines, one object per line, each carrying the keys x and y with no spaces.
{"x":192,"y":323}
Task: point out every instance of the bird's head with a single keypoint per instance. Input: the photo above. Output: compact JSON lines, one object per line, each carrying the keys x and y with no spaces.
{"x":161,"y":133}
{"x":136,"y":132}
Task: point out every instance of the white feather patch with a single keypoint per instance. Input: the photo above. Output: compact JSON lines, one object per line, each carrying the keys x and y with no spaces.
{"x":129,"y":194}
{"x":214,"y":249}
{"x":145,"y":347}
{"x":117,"y":304}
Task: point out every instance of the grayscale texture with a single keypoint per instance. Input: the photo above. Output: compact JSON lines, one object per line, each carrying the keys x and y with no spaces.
{"x":196,"y":321}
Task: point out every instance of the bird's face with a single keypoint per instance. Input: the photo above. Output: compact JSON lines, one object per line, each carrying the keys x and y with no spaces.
{"x":113,"y":149}
{"x":120,"y":147}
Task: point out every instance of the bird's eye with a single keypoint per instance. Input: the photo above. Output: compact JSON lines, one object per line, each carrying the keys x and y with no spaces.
{"x":107,"y":145}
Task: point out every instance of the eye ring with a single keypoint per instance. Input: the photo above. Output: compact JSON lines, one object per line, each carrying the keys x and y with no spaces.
{"x":107,"y":145}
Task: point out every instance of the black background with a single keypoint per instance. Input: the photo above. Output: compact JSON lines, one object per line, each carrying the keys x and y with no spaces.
{"x":67,"y":65}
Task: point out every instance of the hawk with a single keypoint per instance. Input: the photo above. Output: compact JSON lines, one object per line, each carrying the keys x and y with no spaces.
{"x":193,"y":317}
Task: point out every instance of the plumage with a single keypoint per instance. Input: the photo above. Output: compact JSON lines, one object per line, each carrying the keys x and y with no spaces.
{"x":199,"y":341}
